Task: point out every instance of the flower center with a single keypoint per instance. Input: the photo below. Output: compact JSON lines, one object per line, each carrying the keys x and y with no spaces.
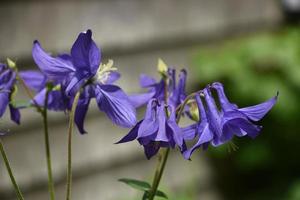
{"x":104,"y":71}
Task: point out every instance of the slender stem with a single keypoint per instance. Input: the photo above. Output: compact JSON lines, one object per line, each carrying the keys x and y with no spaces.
{"x":11,"y":175}
{"x":70,"y":131}
{"x":47,"y":148}
{"x":162,"y":160}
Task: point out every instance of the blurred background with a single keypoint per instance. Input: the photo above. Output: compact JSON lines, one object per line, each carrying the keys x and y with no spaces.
{"x":252,"y":46}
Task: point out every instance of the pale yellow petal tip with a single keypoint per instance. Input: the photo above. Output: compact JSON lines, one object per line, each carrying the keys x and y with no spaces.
{"x":162,"y":66}
{"x":10,"y":63}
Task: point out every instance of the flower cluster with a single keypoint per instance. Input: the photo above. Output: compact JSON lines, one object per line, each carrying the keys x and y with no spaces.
{"x":60,"y":78}
{"x":214,"y":126}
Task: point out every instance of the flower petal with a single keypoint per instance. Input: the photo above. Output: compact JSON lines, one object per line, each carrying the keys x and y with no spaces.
{"x":113,"y":76}
{"x":132,"y":135}
{"x":14,"y":114}
{"x":80,"y":113}
{"x":151,"y":149}
{"x":54,"y":68}
{"x":257,"y":112}
{"x":177,"y":134}
{"x":149,"y":125}
{"x":75,"y":83}
{"x":56,"y":100}
{"x":240,"y":127}
{"x":35,"y":80}
{"x":4,"y":99}
{"x":213,"y":115}
{"x":115,"y":103}
{"x":189,"y":132}
{"x":161,"y":120}
{"x":138,"y":100}
{"x":146,"y":81}
{"x":205,"y":136}
{"x":85,"y":53}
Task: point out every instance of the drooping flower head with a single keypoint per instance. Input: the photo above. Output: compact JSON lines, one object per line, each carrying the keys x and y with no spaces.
{"x":156,"y":130}
{"x":82,"y":70}
{"x":217,"y":127}
{"x":7,"y":90}
{"x":176,"y":91}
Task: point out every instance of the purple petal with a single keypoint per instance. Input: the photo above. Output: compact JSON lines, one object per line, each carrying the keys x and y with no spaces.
{"x":80,"y":114}
{"x":161,"y":117}
{"x":85,"y":53}
{"x":4,"y":99}
{"x":225,"y":104}
{"x":213,"y":114}
{"x":138,"y":100}
{"x":179,"y":92}
{"x":149,"y":125}
{"x":151,"y":149}
{"x":112,"y":77}
{"x":115,"y":103}
{"x":132,"y":135}
{"x":54,"y":68}
{"x":257,"y":112}
{"x":14,"y":114}
{"x":56,"y":100}
{"x":205,"y":136}
{"x":240,"y":127}
{"x":189,"y":132}
{"x":146,"y":81}
{"x":75,"y":84}
{"x":177,"y":133}
{"x":35,"y":80}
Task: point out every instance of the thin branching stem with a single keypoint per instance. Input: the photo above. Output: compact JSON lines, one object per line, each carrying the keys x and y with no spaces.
{"x":47,"y":148}
{"x":70,"y":132}
{"x":9,"y":170}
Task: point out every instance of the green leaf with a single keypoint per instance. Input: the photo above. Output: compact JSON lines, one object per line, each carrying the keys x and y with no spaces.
{"x":137,"y":184}
{"x":161,"y":194}
{"x":143,"y":186}
{"x":158,"y":194}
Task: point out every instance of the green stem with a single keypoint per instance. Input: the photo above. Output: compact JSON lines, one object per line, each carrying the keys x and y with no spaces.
{"x":11,"y":175}
{"x":70,"y":131}
{"x":162,"y":160}
{"x":47,"y":148}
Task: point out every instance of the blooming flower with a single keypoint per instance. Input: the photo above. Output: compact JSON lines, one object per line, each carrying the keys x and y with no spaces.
{"x":7,"y":89}
{"x":156,"y":129}
{"x":83,"y":70}
{"x":176,"y":93}
{"x":219,"y":126}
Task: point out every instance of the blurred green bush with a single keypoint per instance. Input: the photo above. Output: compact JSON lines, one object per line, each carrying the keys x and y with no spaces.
{"x":253,"y":68}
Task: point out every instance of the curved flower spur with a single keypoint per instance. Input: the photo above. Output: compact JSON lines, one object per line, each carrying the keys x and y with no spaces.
{"x":82,"y":70}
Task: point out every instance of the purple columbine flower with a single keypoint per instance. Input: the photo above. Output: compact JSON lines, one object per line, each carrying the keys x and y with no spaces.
{"x":83,"y":70}
{"x":7,"y":89}
{"x":217,"y":127}
{"x":176,"y":93}
{"x":156,"y":130}
{"x":37,"y":81}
